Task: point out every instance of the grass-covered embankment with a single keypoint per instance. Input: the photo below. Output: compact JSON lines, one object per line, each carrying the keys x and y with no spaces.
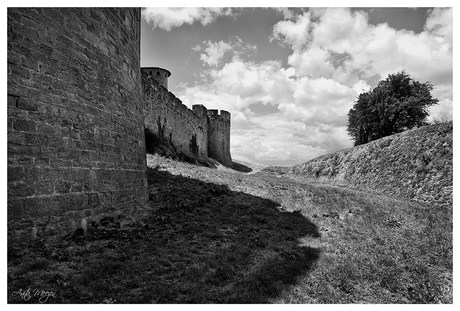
{"x":416,"y":164}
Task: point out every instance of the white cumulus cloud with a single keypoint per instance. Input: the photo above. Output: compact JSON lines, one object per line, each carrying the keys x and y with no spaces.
{"x":294,"y":33}
{"x":214,"y":52}
{"x":372,"y":49}
{"x":168,"y":18}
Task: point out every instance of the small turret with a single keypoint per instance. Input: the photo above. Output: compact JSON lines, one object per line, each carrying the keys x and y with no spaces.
{"x":159,"y":74}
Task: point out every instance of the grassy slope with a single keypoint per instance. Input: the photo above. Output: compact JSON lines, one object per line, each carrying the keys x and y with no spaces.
{"x":257,"y":239}
{"x":375,"y":249}
{"x":415,"y":164}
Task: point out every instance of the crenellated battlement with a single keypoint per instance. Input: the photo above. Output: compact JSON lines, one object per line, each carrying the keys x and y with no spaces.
{"x":152,"y":88}
{"x":200,"y":111}
{"x":195,"y":132}
{"x":219,"y":136}
{"x":223,"y":115}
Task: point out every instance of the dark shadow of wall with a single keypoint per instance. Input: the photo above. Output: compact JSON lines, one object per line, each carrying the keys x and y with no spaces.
{"x":197,"y":242}
{"x":234,"y":247}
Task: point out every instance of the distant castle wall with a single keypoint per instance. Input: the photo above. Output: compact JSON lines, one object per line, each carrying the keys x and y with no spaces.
{"x":76,"y":144}
{"x":165,"y":115}
{"x":197,"y":133}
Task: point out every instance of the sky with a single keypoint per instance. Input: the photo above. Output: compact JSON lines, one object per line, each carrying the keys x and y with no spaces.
{"x":290,"y":76}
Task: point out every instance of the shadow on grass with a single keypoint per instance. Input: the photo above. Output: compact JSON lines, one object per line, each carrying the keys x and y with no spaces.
{"x":240,"y":167}
{"x":221,"y":246}
{"x":199,"y":243}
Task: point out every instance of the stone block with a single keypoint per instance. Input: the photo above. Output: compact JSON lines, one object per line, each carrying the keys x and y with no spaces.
{"x":62,"y":187}
{"x":41,"y":206}
{"x":15,"y":207}
{"x":15,"y":173}
{"x":32,"y":173}
{"x":93,"y":199}
{"x":43,"y":188}
{"x":12,"y":100}
{"x":35,"y":139}
{"x":16,"y":137}
{"x":25,"y":125}
{"x":20,"y":189}
{"x":27,"y":104}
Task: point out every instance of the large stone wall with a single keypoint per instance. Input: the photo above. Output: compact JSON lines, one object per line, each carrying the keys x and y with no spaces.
{"x":75,"y":118}
{"x":165,"y":115}
{"x":198,"y":133}
{"x":416,"y":164}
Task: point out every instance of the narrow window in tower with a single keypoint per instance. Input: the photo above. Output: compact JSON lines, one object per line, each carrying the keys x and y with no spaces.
{"x":158,"y":73}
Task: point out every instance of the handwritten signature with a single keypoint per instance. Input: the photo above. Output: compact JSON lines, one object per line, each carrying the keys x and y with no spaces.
{"x":27,"y":294}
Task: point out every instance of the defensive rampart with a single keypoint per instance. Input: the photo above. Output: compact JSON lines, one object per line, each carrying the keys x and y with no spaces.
{"x":165,"y":115}
{"x":198,"y":133}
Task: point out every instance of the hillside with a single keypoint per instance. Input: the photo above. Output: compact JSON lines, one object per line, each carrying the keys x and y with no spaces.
{"x":416,"y":164}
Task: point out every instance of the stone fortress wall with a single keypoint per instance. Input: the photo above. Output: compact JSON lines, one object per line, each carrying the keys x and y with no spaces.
{"x":166,"y":116}
{"x":76,"y":145}
{"x":197,"y":133}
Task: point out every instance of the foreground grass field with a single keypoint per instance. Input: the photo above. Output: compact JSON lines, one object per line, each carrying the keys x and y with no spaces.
{"x":210,"y":236}
{"x":375,"y":249}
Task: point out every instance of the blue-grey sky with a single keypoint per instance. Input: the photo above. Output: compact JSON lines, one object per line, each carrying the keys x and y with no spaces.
{"x":289,"y":76}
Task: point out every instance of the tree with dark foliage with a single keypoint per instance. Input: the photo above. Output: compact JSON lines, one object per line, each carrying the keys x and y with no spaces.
{"x":398,"y":103}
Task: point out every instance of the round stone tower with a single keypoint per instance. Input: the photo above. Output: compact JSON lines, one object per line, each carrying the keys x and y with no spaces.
{"x":159,"y":74}
{"x":76,"y":146}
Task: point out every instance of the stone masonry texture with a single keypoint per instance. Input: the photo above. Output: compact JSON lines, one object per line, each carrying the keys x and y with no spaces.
{"x":76,"y":145}
{"x":198,"y":133}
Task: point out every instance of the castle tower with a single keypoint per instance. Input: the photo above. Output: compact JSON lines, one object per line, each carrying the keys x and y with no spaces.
{"x":219,"y":136}
{"x":159,"y":74}
{"x":76,"y":146}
